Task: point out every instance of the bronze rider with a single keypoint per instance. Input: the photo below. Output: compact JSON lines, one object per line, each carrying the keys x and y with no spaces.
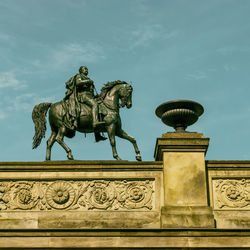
{"x":80,"y":88}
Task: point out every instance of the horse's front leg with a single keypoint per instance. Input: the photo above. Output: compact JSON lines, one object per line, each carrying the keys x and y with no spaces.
{"x":122,"y":134}
{"x":111,"y":134}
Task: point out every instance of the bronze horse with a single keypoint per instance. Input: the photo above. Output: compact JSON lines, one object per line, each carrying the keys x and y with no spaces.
{"x":113,"y":93}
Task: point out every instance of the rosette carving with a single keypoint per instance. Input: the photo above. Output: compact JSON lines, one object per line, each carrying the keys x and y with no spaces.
{"x":60,"y":195}
{"x":232,"y":193}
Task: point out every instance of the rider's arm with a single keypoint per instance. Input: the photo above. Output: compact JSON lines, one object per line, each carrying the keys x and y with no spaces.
{"x":83,"y":82}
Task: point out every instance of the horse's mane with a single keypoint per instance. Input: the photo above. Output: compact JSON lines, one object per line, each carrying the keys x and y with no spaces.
{"x":108,"y":86}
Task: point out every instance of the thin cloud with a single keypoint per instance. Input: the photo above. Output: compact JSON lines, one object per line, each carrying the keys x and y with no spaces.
{"x":146,"y":34}
{"x":228,"y":67}
{"x":75,"y":52}
{"x":65,"y":55}
{"x":140,"y":7}
{"x":9,"y":80}
{"x":27,"y":101}
{"x":198,"y":75}
{"x":228,"y":50}
{"x":21,"y":103}
{"x":75,"y":3}
{"x":4,"y":37}
{"x":2,"y":115}
{"x":7,"y":40}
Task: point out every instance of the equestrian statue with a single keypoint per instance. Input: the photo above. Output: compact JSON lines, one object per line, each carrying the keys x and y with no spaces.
{"x":82,"y":111}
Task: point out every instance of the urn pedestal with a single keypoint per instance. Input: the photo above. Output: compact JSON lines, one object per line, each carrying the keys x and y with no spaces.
{"x":185,"y":181}
{"x":186,"y":203}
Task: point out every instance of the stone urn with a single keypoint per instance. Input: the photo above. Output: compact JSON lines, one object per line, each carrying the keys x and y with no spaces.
{"x":179,"y":114}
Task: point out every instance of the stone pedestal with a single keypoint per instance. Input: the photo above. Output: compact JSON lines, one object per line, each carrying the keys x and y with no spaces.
{"x":185,"y":182}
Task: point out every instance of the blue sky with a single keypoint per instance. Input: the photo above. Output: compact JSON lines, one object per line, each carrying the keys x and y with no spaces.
{"x":169,"y":49}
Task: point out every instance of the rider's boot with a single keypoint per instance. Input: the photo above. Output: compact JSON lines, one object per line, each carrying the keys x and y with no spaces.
{"x":99,"y":137}
{"x":96,"y":123}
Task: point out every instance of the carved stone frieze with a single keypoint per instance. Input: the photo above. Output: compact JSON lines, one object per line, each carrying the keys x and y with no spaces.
{"x":231,"y":193}
{"x":77,"y":195}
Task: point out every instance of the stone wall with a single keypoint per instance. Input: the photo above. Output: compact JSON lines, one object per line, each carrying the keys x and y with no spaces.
{"x":229,"y":192}
{"x":80,"y":194}
{"x":110,"y":194}
{"x":96,"y":204}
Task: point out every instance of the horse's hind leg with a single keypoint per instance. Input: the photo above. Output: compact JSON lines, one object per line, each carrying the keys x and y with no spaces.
{"x":50,"y":143}
{"x":122,"y":134}
{"x":59,"y":139}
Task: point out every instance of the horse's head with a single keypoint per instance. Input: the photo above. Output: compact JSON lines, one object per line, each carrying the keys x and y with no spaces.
{"x":125,"y":94}
{"x":117,"y":94}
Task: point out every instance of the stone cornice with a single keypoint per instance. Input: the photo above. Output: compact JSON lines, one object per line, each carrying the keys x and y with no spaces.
{"x":174,"y":142}
{"x":228,"y":164}
{"x":125,"y":238}
{"x":81,"y":166}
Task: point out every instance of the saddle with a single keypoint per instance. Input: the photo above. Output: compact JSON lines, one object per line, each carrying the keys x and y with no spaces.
{"x":70,"y":121}
{"x":86,"y":110}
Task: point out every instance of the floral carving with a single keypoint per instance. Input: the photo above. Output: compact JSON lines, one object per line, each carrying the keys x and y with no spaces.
{"x":60,"y":195}
{"x":100,"y":195}
{"x":25,"y":195}
{"x":4,"y":195}
{"x":136,"y":195}
{"x":77,"y":195}
{"x":232,"y":193}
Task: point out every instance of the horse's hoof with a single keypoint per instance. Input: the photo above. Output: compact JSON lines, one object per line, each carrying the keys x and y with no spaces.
{"x":138,"y":158}
{"x":118,"y":158}
{"x":70,"y":157}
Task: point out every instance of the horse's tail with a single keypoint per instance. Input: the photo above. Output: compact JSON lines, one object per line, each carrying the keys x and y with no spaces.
{"x":39,"y":118}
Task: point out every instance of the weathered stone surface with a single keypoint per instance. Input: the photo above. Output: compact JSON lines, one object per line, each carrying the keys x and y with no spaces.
{"x":180,"y":135}
{"x":101,"y":219}
{"x":69,"y":219}
{"x":232,"y":219}
{"x":187,"y":217}
{"x":184,"y":179}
